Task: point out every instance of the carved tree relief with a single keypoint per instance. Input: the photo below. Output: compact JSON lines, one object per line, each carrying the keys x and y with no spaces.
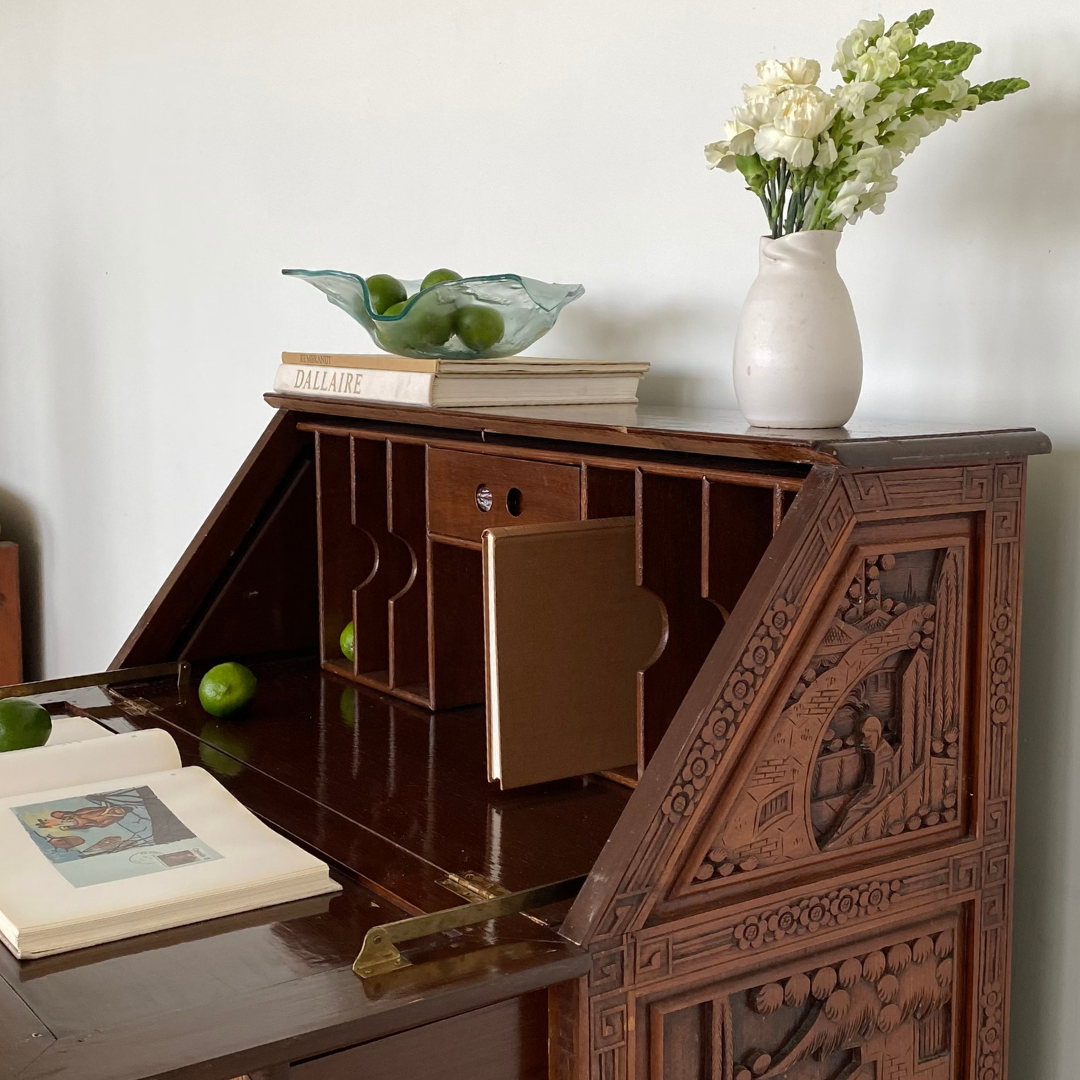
{"x":869,"y":743}
{"x":882,"y":1015}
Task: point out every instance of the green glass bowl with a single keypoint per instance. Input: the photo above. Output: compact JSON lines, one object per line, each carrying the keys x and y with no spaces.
{"x":426,"y":326}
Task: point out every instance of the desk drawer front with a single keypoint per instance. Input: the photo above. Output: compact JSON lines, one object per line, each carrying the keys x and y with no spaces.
{"x":507,"y":1041}
{"x":468,"y":493}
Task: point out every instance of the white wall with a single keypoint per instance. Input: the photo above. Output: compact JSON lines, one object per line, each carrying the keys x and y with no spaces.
{"x":160,"y":162}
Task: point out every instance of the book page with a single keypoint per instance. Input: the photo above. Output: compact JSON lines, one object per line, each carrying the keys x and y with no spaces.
{"x":69,"y":729}
{"x":109,"y":850}
{"x":95,"y":760}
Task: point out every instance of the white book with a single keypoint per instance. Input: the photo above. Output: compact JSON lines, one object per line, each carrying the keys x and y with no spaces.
{"x":459,"y":383}
{"x":106,"y":838}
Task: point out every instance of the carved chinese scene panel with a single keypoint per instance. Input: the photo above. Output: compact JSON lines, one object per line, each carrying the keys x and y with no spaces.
{"x":886,"y":1010}
{"x":871,"y":741}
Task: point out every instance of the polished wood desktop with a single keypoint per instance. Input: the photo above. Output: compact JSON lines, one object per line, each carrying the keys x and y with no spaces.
{"x":806,"y":873}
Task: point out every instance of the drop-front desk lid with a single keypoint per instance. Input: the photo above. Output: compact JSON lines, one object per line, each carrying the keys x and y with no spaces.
{"x":862,"y":443}
{"x":233,"y":995}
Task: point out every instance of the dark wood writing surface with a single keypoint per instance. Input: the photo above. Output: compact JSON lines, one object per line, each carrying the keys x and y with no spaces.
{"x":249,"y":991}
{"x":416,"y":779}
{"x":811,"y":878}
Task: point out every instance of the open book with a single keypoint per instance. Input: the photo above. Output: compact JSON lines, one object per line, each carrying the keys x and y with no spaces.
{"x":106,"y":838}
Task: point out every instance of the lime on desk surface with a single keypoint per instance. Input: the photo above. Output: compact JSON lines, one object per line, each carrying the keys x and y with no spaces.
{"x":226,"y":688}
{"x":347,"y":641}
{"x":23,"y":724}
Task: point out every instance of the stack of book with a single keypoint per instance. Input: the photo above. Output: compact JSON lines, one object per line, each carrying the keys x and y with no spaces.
{"x":517,"y":380}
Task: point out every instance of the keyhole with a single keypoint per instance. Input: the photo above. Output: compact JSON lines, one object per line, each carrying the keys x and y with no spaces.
{"x":484,"y":499}
{"x":513,"y":502}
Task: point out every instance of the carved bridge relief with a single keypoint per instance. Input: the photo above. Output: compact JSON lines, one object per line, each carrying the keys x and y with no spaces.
{"x":869,"y":743}
{"x":883,"y":1014}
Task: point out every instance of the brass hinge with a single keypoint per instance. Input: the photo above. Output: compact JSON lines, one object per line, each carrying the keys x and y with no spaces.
{"x":178,"y":669}
{"x":378,"y":954}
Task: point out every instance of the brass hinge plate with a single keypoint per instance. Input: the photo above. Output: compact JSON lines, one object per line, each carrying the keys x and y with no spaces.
{"x":379,"y":954}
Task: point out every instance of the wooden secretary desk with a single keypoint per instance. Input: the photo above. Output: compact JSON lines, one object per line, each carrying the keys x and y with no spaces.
{"x":806,"y":874}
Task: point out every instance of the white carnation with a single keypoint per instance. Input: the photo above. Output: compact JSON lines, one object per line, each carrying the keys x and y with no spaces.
{"x":756,"y":110}
{"x":719,"y":155}
{"x":778,"y":77}
{"x":803,"y":114}
{"x":740,"y":136}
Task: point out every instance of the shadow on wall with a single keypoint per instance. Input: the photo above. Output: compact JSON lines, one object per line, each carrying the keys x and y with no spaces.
{"x":1043,"y":915}
{"x":658,"y":334}
{"x":19,"y":523}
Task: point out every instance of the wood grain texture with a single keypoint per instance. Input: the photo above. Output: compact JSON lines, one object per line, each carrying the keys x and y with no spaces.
{"x":415,"y":780}
{"x":265,"y":473}
{"x":545,"y":493}
{"x":507,"y":1041}
{"x":11,"y":658}
{"x":264,"y":605}
{"x":813,"y":877}
{"x":719,"y":433}
{"x":670,"y":524}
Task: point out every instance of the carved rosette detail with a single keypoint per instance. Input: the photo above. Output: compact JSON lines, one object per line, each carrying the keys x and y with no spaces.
{"x":727,"y":712}
{"x":990,"y":1033}
{"x":1001,"y":666}
{"x":812,"y":913}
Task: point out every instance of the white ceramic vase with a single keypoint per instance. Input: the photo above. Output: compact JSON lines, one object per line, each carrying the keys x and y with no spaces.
{"x":798,"y":358}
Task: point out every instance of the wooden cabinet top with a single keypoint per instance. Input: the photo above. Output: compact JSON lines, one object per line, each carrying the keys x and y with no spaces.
{"x":712,"y":432}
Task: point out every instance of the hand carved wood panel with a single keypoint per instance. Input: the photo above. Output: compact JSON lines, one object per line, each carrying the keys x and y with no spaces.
{"x":869,"y":742}
{"x":884,"y":1011}
{"x":844,"y":766}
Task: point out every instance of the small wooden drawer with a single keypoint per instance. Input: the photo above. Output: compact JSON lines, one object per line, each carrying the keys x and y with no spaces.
{"x":468,"y":493}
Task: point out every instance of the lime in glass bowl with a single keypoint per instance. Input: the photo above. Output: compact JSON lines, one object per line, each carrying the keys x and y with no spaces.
{"x":470,"y":318}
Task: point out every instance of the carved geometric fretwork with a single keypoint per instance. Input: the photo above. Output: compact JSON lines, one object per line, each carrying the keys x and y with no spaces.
{"x":868,"y":744}
{"x":863,"y":695}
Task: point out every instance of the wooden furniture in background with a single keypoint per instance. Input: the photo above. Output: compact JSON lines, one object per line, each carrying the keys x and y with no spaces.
{"x":806,"y":875}
{"x":11,"y":661}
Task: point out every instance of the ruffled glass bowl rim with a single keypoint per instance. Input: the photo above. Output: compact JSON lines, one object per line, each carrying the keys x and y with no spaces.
{"x":573,"y":291}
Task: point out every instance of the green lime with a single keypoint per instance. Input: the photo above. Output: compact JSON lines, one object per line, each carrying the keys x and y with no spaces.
{"x":394,"y":309}
{"x":426,"y":325}
{"x":347,"y":706}
{"x":347,"y":642}
{"x":221,"y":750}
{"x":226,"y":688}
{"x":437,"y":277}
{"x":479,"y":327}
{"x":23,"y":723}
{"x":384,"y":290}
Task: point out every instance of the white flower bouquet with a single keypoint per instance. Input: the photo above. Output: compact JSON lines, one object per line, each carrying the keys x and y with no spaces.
{"x":818,"y":159}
